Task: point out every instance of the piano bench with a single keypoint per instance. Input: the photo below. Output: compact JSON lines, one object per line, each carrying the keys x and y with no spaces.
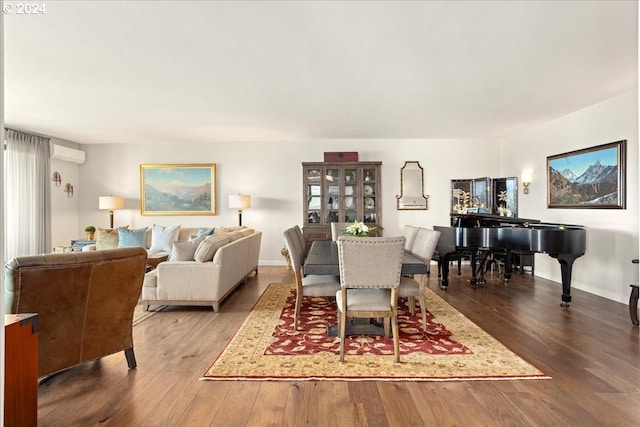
{"x":452,"y":257}
{"x":522,"y":259}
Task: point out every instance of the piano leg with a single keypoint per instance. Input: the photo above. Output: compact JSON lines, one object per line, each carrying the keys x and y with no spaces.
{"x":508,"y":265}
{"x":480,"y":264}
{"x":566,"y":264}
{"x":443,"y":267}
{"x":474,"y":268}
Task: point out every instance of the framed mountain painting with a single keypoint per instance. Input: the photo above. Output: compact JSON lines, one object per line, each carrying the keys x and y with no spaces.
{"x":187,"y":189}
{"x":589,"y":178}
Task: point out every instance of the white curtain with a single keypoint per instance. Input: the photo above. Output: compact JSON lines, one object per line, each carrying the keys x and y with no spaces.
{"x":27,"y":195}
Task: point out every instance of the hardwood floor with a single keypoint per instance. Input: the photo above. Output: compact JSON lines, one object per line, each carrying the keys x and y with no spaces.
{"x":591,"y":351}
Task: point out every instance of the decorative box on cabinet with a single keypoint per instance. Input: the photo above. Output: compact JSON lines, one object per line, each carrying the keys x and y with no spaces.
{"x":340,"y":192}
{"x":21,"y":370}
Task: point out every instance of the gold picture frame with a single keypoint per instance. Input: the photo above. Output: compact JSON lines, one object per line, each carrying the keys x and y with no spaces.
{"x":178,"y":189}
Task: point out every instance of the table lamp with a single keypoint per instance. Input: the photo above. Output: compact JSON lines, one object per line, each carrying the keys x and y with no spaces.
{"x":239,"y":201}
{"x":112,"y":203}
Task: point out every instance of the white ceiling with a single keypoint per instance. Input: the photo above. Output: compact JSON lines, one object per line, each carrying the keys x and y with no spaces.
{"x":205,"y":71}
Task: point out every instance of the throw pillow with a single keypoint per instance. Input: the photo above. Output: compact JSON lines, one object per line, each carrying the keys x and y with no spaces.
{"x":107,"y":238}
{"x":184,"y":250}
{"x":207,"y":249}
{"x":162,"y":238}
{"x":129,"y":238}
{"x":205,"y":232}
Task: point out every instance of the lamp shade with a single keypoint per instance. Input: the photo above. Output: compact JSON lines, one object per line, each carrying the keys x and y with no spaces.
{"x":239,"y":201}
{"x":110,"y":202}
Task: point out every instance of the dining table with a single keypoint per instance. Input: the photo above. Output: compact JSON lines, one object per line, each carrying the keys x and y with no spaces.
{"x":323,"y":259}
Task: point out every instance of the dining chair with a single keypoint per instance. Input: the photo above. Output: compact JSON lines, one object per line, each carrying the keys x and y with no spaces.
{"x":337,"y":229}
{"x":424,"y":244}
{"x":409,"y":233}
{"x":369,"y":278}
{"x":313,"y":285}
{"x":301,"y":240}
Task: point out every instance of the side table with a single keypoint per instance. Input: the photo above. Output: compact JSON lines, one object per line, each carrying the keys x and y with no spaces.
{"x":152,"y":262}
{"x":77,"y":245}
{"x":21,"y":370}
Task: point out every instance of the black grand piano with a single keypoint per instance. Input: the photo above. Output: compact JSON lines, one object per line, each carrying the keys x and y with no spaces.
{"x":480,"y":236}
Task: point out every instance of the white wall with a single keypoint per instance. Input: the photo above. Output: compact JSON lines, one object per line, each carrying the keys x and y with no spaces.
{"x":612,"y":235}
{"x":64,"y":209}
{"x":272,"y":174}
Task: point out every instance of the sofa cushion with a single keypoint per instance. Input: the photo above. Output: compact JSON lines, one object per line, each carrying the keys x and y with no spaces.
{"x":131,"y":238}
{"x":185,"y":250}
{"x":162,"y":238}
{"x":107,"y":238}
{"x":207,"y":249}
{"x":234,"y":235}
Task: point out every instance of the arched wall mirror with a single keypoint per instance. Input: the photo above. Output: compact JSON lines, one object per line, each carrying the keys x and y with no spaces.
{"x":412,"y":187}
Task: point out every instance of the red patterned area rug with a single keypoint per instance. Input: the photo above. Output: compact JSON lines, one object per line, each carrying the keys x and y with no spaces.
{"x":266,"y":347}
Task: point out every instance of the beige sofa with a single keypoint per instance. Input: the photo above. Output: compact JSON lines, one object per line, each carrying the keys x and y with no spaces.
{"x":216,"y":270}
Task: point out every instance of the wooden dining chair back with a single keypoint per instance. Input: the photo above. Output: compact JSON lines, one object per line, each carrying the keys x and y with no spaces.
{"x":424,"y":245}
{"x":370,"y":270}
{"x":310,"y":285}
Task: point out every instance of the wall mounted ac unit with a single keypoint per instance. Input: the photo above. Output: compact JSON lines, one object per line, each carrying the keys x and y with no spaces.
{"x":60,"y":152}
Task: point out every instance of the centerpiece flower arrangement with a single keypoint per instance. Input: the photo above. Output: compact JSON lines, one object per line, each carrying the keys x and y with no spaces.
{"x":358,"y":229}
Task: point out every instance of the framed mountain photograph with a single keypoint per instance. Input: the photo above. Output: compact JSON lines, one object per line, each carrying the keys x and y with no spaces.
{"x":589,"y":178}
{"x":188,"y":189}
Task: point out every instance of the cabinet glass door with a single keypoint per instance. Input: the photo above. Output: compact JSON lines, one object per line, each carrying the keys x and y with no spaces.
{"x":333,"y":198}
{"x":370,"y":197}
{"x":314,"y":196}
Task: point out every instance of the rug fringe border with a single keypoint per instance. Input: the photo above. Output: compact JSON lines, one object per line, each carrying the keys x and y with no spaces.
{"x":412,"y":379}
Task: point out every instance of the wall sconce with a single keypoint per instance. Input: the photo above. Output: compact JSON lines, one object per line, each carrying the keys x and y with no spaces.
{"x":526,"y":177}
{"x":239,"y":201}
{"x":68,"y":188}
{"x":57,"y":179}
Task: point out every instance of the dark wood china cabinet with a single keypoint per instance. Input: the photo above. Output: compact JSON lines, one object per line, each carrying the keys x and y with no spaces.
{"x":340,"y":192}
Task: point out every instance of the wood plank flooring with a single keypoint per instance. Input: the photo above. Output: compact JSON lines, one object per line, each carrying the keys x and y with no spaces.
{"x":591,"y":351}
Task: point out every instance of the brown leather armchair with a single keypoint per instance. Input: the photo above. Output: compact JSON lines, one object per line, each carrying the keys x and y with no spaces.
{"x":84,"y":302}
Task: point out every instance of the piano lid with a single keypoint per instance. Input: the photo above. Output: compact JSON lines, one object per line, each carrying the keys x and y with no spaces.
{"x":489,"y":220}
{"x":493,"y":221}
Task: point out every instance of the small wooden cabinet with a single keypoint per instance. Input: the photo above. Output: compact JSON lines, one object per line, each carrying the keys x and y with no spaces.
{"x":340,"y":192}
{"x":21,"y":370}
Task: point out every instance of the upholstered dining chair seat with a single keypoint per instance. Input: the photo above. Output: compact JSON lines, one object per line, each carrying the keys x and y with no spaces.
{"x":319,"y":285}
{"x":366,"y":299}
{"x":409,"y":287}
